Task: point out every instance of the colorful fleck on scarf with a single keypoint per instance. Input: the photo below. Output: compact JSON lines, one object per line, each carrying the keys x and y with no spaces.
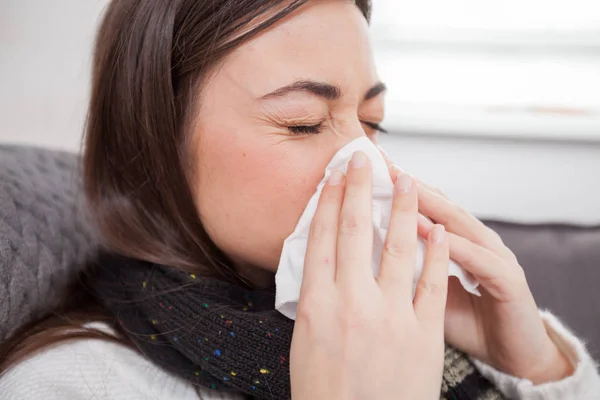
{"x":222,"y":336}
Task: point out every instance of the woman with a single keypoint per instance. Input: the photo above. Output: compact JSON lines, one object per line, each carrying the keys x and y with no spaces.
{"x":210,"y":125}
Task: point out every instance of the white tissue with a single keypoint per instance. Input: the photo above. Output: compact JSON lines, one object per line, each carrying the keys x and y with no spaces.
{"x":291,"y":264}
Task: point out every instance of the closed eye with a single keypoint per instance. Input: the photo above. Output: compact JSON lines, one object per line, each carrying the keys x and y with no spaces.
{"x":316,"y":129}
{"x":375,"y":126}
{"x":306,"y":129}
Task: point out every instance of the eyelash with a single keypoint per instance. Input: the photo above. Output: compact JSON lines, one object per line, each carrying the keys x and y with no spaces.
{"x":374,"y":126}
{"x":315,"y":129}
{"x":306,"y":129}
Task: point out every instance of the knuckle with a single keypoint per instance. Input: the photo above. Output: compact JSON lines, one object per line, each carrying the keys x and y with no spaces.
{"x":469,"y":263}
{"x":307,"y":307}
{"x":461,"y":212}
{"x":518,"y":276}
{"x":496,"y":284}
{"x":512,"y":256}
{"x":303,"y":311}
{"x":433,"y":289}
{"x":320,"y":228}
{"x":493,"y":234}
{"x":441,"y":193}
{"x":353,"y":224}
{"x":510,"y":280}
{"x":437,"y":190}
{"x":398,"y":250}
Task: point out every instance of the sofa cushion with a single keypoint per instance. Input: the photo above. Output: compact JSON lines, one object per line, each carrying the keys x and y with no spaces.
{"x":44,"y":235}
{"x":562,"y":264}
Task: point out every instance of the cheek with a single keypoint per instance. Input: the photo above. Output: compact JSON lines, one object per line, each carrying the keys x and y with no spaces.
{"x":264,"y":175}
{"x":252,"y":192}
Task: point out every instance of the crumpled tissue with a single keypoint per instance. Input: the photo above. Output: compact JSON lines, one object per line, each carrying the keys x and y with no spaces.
{"x":291,"y":264}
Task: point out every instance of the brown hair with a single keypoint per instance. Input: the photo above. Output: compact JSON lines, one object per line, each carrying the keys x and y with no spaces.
{"x":149,"y":62}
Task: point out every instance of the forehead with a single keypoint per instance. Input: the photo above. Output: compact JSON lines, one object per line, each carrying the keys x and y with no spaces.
{"x":325,"y":41}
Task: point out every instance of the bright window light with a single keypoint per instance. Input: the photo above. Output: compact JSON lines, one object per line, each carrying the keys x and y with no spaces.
{"x":522,"y":68}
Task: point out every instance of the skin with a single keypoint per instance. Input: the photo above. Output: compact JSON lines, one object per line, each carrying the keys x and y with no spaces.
{"x":244,"y":145}
{"x":503,"y":326}
{"x":370,"y":321}
{"x":255,"y":176}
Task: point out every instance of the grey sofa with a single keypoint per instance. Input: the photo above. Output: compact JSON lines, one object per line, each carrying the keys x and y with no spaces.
{"x":562,"y":264}
{"x":45,"y":238}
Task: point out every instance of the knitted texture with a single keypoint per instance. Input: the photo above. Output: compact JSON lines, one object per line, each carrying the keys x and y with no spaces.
{"x":221,"y":336}
{"x":44,"y":236}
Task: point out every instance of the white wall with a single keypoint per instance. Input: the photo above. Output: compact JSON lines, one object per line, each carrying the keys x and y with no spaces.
{"x":516,"y":180}
{"x":45,"y":53}
{"x":45,"y":57}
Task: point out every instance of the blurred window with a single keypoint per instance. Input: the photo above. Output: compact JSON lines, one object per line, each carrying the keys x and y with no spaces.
{"x":521,"y":68}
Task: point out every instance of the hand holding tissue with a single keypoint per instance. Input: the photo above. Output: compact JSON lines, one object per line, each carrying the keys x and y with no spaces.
{"x":291,"y":264}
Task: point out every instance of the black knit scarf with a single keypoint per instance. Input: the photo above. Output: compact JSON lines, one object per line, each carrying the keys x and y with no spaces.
{"x":221,"y":336}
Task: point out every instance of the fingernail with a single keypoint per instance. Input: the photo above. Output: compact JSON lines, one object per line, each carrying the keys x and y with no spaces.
{"x":438,"y":234}
{"x":359,"y":160}
{"x":397,"y":170}
{"x":394,"y":173}
{"x":403,"y":184}
{"x":335,"y":178}
{"x":385,"y":154}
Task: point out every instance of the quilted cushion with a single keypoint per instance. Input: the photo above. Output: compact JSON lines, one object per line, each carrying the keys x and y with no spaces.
{"x":44,"y":234}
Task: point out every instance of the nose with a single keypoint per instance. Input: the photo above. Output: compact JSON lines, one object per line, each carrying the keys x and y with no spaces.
{"x":349,"y":132}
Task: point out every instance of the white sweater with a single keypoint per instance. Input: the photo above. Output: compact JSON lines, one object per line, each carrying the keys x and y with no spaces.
{"x":101,"y":370}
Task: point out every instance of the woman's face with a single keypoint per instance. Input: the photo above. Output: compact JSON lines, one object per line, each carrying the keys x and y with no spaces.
{"x":272,"y":116}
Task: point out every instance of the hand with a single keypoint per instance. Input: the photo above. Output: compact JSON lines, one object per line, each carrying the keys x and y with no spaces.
{"x":356,"y":336}
{"x":503,"y":327}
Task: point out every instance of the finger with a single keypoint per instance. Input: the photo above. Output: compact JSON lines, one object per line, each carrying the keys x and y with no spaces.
{"x":355,"y":231}
{"x":385,"y":156}
{"x":394,"y":173}
{"x":424,"y":226}
{"x":393,"y":169}
{"x":399,"y":252}
{"x":500,"y":278}
{"x":432,"y":188}
{"x":460,"y":222}
{"x":432,"y":288}
{"x":320,"y":259}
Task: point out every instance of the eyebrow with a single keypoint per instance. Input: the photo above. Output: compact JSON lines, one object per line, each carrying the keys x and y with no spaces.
{"x":375,"y":91}
{"x":321,"y":89}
